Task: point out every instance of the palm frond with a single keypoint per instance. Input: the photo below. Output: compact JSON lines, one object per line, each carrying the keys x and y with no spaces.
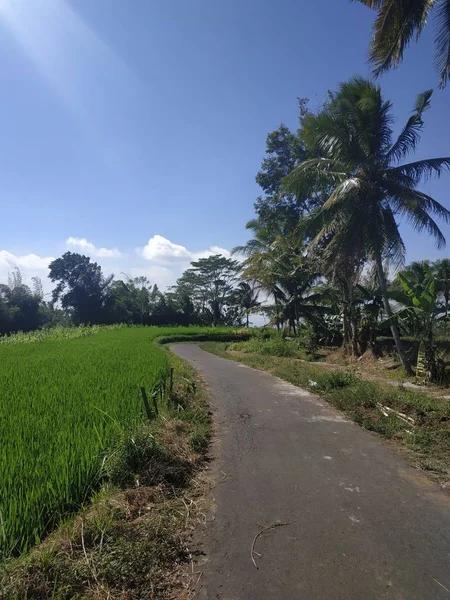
{"x":314,"y":171}
{"x":422,"y":169}
{"x":418,"y":217}
{"x":442,"y":58}
{"x":396,"y":23}
{"x":371,"y":3}
{"x":410,"y":136}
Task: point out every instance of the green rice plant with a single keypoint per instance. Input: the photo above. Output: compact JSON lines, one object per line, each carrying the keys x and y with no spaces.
{"x":55,"y":333}
{"x":64,"y":402}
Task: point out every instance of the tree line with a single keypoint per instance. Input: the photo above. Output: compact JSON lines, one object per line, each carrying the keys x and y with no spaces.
{"x":325,"y":240}
{"x":207,"y":293}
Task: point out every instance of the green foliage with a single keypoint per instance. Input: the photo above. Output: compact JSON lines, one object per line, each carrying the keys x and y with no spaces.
{"x":116,"y":546}
{"x":209,"y":286}
{"x":81,"y":287}
{"x":355,"y":154}
{"x":22,"y":309}
{"x":336,"y":380}
{"x":66,"y":401}
{"x":398,"y":22}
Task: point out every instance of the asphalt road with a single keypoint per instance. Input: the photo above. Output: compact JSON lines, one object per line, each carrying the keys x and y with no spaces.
{"x":361,"y":524}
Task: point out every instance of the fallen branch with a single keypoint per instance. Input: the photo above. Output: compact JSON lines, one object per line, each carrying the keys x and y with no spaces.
{"x":252,"y":550}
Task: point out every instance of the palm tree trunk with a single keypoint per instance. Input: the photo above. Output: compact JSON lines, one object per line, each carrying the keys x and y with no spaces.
{"x":346,"y":329}
{"x":353,"y":321}
{"x":387,"y":307}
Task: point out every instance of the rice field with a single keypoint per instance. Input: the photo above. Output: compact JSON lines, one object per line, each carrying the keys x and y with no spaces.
{"x":64,"y":399}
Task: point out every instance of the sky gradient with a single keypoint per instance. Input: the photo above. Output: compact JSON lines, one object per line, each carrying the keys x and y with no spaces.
{"x":133,"y":131}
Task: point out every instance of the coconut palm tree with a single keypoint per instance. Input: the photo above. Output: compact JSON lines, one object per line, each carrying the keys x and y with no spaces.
{"x":352,"y":137}
{"x":246,"y":298}
{"x":398,"y":21}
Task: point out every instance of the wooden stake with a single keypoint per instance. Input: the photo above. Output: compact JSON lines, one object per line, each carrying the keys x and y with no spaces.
{"x":146,"y":404}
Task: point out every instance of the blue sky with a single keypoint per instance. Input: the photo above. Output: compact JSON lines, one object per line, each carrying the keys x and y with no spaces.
{"x":132,"y":131}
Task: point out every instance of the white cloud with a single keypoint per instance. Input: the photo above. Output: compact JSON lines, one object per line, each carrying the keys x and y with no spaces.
{"x":30,"y":265}
{"x":91,"y":249}
{"x":161,"y":250}
{"x":29,"y":261}
{"x":160,"y":260}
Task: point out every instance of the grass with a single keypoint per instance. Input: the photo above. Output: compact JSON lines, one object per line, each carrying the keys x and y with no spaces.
{"x":427,"y":443}
{"x":272,"y":346}
{"x":66,"y":399}
{"x":131,"y":541}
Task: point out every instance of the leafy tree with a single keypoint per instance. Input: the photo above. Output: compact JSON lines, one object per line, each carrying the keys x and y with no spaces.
{"x":353,"y":136}
{"x":398,"y":21}
{"x":284,"y":151}
{"x":121,"y":305}
{"x":81,"y":287}
{"x":129,"y":300}
{"x":21,"y":309}
{"x":209,"y":285}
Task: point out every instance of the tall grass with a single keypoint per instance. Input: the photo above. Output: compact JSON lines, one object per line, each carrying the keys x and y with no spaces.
{"x":63,"y":402}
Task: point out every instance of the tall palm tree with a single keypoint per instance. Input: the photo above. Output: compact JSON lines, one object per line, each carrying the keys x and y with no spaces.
{"x":353,"y":140}
{"x":398,"y":21}
{"x":247,"y":298}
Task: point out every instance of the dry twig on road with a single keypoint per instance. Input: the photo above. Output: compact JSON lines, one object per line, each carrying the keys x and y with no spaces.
{"x":252,"y":550}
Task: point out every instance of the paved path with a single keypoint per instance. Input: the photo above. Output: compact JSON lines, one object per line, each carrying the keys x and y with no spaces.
{"x":362,"y":525}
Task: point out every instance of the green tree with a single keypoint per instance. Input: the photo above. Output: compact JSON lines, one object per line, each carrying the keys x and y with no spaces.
{"x":81,"y":287}
{"x":353,"y":138}
{"x":284,"y":150}
{"x":209,"y":285}
{"x":398,"y":22}
{"x":21,"y":309}
{"x":246,"y":299}
{"x":129,"y":300}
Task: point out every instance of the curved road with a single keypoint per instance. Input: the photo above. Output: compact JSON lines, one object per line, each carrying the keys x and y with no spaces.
{"x":361,"y":525}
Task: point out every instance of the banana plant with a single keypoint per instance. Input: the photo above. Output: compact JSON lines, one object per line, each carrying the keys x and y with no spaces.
{"x":423,"y":311}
